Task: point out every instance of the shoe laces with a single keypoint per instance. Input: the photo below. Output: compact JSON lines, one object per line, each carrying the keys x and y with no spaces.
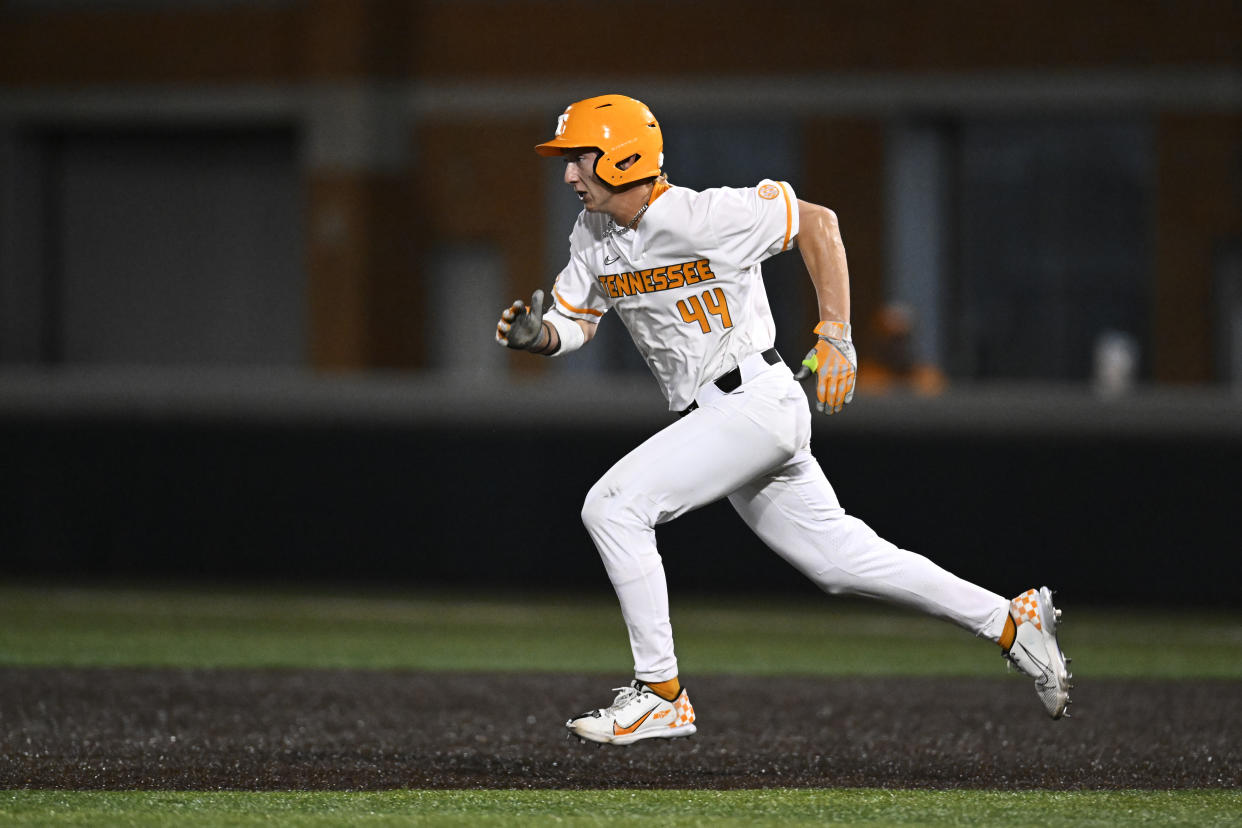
{"x":625,"y":695}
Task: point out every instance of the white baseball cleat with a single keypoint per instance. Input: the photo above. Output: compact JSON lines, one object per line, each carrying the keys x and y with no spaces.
{"x":1035,"y":650}
{"x":636,"y":713}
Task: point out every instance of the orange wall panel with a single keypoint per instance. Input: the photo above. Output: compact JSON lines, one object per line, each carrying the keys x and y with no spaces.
{"x":536,"y":39}
{"x":185,"y":46}
{"x":1198,"y":208}
{"x":844,"y":171}
{"x":482,"y":181}
{"x":365,"y":304}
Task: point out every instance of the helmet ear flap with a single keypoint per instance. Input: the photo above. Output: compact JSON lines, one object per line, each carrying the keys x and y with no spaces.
{"x":624,"y":164}
{"x":608,"y":168}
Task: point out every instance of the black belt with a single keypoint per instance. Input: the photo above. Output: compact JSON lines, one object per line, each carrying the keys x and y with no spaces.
{"x":729,"y":381}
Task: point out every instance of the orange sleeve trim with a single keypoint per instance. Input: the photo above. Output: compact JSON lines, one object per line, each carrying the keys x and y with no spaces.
{"x":561,"y":299}
{"x":788,"y":217}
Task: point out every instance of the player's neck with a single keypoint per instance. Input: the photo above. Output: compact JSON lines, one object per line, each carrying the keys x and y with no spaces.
{"x":628,"y":207}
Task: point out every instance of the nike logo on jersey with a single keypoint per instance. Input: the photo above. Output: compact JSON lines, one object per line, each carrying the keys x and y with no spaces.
{"x":617,"y":285}
{"x":612,"y":259}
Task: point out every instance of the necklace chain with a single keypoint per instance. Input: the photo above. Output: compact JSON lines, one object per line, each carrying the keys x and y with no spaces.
{"x":637,"y":216}
{"x":615,"y":228}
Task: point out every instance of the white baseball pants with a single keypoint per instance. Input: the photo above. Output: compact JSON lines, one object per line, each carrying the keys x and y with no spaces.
{"x":753,"y":446}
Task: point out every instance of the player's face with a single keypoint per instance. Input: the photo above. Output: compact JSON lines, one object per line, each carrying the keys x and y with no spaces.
{"x":580,"y":174}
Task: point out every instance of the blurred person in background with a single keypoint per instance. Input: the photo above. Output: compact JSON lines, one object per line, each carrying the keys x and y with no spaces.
{"x":891,"y":364}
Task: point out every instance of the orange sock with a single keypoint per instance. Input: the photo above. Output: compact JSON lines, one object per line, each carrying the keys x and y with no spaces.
{"x":667,"y":690}
{"x":1008,"y":634}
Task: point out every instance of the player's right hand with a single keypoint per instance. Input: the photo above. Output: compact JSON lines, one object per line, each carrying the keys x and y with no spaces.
{"x":520,"y":326}
{"x":834,"y":363}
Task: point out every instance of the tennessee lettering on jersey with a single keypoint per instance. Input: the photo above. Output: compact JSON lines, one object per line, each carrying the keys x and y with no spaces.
{"x":692,"y":320}
{"x":656,"y":279}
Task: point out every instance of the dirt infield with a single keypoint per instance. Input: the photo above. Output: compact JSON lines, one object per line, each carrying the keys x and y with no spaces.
{"x":261,"y":730}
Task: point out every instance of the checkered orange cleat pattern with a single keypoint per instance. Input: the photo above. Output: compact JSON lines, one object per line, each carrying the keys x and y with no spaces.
{"x":684,"y":709}
{"x":1025,"y":609}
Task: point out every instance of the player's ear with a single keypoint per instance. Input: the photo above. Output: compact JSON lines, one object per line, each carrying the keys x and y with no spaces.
{"x":626,"y":163}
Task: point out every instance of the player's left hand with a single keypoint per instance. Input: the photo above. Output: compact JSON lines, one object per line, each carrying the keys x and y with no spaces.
{"x":520,"y":327}
{"x":834,"y":363}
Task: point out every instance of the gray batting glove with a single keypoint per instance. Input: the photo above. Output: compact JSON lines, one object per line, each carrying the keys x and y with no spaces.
{"x":520,"y":327}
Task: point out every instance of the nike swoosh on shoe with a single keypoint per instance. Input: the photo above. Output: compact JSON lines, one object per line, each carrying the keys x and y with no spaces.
{"x":618,"y":730}
{"x":1046,"y":669}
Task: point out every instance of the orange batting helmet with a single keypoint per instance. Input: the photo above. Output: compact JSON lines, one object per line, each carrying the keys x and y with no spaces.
{"x":618,"y":127}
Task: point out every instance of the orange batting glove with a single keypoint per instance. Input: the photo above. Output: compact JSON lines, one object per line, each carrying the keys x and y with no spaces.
{"x":835,"y":365}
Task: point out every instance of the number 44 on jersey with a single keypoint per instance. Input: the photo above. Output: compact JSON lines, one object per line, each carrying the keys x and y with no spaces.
{"x":713,"y":302}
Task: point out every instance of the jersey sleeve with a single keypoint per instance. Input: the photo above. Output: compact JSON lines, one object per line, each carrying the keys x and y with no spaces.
{"x":576,"y":293}
{"x":754,"y":223}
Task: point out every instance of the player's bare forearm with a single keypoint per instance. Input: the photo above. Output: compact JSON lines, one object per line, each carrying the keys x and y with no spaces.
{"x":823,"y":253}
{"x":549,"y":341}
{"x":525,"y":328}
{"x":588,"y":329}
{"x":833,"y":360}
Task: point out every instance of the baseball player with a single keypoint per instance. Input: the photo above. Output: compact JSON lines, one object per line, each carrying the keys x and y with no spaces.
{"x":682,"y":270}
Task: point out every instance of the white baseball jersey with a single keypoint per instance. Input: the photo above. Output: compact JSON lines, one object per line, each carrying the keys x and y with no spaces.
{"x":686,"y":281}
{"x":687,"y":284}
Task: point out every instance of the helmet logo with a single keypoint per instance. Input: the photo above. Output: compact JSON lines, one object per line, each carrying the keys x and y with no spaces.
{"x":560,"y":124}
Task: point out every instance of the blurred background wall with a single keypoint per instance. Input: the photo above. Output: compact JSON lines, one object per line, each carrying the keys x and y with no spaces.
{"x":252,"y":253}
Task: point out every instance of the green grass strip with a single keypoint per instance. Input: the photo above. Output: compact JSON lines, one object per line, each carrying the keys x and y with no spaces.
{"x":211,"y":628}
{"x":624,"y":808}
